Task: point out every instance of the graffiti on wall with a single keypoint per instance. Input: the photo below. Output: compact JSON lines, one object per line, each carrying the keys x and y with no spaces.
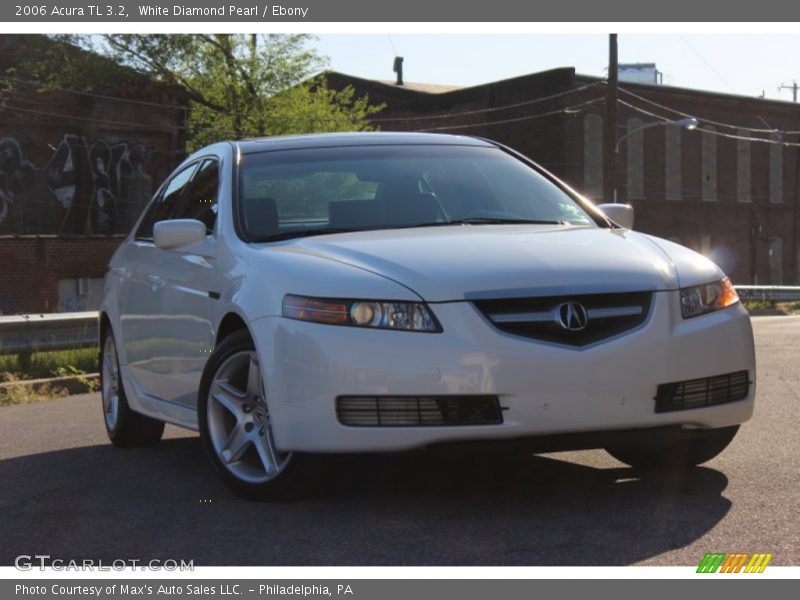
{"x":82,"y":188}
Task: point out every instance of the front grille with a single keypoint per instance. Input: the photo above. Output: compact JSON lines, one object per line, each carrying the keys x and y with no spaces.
{"x":707,"y":391}
{"x":541,"y":318}
{"x":411,"y":411}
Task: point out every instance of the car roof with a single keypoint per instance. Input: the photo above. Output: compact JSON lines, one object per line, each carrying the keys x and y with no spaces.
{"x":361,"y":138}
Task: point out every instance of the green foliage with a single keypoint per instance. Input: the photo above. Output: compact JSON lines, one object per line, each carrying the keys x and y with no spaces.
{"x":60,"y":363}
{"x":58,"y":61}
{"x":242,"y":86}
{"x":758,"y":304}
{"x":11,"y":393}
{"x":51,"y":364}
{"x":772,"y":307}
{"x":78,"y":374}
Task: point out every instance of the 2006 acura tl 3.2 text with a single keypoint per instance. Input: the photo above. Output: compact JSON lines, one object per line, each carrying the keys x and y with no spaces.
{"x":382,"y":292}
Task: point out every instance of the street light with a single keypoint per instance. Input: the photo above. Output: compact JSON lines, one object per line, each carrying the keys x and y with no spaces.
{"x":687,"y":123}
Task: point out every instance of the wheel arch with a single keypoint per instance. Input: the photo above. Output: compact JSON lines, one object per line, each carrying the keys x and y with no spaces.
{"x":232,"y":321}
{"x":103,"y":326}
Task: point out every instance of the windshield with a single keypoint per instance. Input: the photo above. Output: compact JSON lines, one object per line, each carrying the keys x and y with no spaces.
{"x":316,"y":191}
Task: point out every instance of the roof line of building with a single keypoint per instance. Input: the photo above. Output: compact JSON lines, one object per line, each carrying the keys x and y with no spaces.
{"x":690,"y":91}
{"x":577,"y":78}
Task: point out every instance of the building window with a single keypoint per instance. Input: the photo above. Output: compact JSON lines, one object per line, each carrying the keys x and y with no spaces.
{"x":635,"y":150}
{"x":776,"y":169}
{"x":672,"y":163}
{"x":708,"y":170}
{"x":593,"y":155}
{"x":743,"y":167}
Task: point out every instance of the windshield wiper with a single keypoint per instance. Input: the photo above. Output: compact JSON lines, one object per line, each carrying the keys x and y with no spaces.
{"x":287,"y":235}
{"x":491,"y":221}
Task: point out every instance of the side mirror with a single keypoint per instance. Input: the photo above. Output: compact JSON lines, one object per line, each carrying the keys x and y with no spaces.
{"x":621,"y":214}
{"x":177,"y":233}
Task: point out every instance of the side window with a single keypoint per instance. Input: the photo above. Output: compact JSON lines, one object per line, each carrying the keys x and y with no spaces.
{"x":200,"y":200}
{"x":165,"y":205}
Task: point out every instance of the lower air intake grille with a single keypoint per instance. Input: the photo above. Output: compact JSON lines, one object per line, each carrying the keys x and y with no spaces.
{"x":412,"y":411}
{"x":697,"y":393}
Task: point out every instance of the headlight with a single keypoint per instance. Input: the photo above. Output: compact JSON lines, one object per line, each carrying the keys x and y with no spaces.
{"x":702,"y":299}
{"x":405,"y":316}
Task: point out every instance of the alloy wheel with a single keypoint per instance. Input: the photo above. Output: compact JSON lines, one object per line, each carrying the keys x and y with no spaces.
{"x":110,"y":383}
{"x":239,"y":423}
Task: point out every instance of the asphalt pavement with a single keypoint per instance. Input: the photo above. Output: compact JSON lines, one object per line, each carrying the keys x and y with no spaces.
{"x":66,"y":492}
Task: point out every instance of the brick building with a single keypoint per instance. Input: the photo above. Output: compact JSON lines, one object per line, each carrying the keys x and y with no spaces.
{"x":76,"y":169}
{"x":728,"y":189}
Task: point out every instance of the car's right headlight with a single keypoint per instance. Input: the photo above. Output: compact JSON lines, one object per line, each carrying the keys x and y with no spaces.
{"x":701,"y":299}
{"x":402,"y":316}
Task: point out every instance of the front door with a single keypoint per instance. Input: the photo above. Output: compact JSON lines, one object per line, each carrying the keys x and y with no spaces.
{"x":169,"y":294}
{"x":186,"y":295}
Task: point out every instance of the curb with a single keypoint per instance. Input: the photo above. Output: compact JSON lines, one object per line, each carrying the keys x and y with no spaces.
{"x":74,"y":384}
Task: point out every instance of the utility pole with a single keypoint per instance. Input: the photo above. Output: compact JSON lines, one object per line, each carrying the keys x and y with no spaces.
{"x":792,"y":87}
{"x":610,"y":129}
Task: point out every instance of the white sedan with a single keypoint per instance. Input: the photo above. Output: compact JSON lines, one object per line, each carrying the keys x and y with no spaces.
{"x":381,"y":292}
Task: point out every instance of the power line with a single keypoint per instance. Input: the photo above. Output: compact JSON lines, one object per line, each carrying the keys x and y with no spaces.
{"x":462,"y":126}
{"x":372,"y":120}
{"x":703,"y":119}
{"x":708,"y":64}
{"x":792,"y":87}
{"x":32,"y":83}
{"x":93,"y":120}
{"x":42,"y":84}
{"x":714,"y":132}
{"x":303,"y":118}
{"x":488,"y":110}
{"x":565,"y":110}
{"x":391,"y":42}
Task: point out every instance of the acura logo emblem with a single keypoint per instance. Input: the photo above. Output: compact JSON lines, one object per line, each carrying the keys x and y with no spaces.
{"x":572,"y":316}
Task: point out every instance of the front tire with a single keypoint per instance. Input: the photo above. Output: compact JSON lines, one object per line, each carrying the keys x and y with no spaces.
{"x":693,"y":447}
{"x":235,"y":425}
{"x":125,"y":427}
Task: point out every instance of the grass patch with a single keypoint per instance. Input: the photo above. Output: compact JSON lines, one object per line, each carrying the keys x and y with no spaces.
{"x":60,"y":363}
{"x":758,"y":304}
{"x":23,"y":394}
{"x":770,"y":307}
{"x":52,"y":364}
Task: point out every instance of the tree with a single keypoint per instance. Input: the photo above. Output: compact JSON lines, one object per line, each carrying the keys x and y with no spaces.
{"x":242,"y":85}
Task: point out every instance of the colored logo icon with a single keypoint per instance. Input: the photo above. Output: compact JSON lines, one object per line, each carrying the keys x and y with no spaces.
{"x":738,"y":562}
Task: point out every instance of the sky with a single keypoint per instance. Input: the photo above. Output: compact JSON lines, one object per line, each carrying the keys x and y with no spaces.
{"x":746,"y":64}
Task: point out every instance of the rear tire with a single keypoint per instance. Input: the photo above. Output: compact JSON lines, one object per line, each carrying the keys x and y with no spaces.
{"x":235,"y":424}
{"x":693,"y":447}
{"x":125,"y":427}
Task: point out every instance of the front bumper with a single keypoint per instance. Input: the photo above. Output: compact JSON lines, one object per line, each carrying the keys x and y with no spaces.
{"x":548,"y":389}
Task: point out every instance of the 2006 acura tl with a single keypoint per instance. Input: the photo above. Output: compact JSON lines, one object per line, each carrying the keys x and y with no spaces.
{"x":380,"y":292}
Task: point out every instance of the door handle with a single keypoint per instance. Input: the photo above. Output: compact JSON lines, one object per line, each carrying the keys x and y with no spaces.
{"x":155,"y":280}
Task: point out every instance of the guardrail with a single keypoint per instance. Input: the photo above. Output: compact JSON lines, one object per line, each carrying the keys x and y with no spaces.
{"x":25,"y":334}
{"x":768,"y":292}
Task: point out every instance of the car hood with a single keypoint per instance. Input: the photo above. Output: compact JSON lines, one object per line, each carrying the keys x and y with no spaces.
{"x":459,"y":262}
